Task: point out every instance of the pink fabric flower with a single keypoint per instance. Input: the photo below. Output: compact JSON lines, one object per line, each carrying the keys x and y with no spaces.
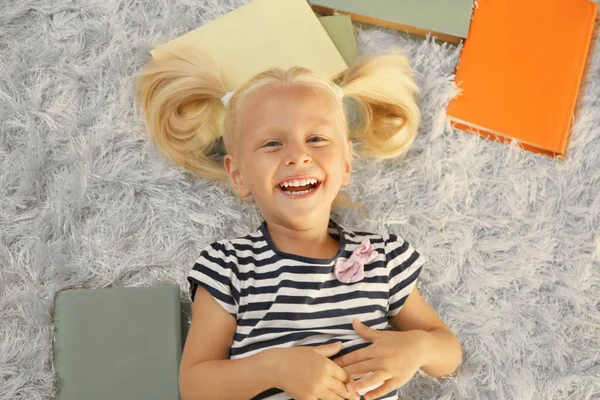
{"x":353,"y":269}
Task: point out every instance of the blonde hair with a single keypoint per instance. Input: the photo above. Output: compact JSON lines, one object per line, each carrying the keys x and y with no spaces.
{"x":180,"y":95}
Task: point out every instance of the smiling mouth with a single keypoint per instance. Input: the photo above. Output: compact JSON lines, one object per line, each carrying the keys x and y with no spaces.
{"x":300,"y":190}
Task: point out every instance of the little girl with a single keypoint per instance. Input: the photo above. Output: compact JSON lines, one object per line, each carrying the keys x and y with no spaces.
{"x":300,"y":306}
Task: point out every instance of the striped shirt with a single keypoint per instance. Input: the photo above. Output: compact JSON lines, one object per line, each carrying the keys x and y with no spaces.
{"x":285,"y":300}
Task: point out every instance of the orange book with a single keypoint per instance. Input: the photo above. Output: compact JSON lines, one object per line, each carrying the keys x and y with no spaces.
{"x":521,"y":70}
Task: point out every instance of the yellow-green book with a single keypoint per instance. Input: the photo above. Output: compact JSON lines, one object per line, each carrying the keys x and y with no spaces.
{"x":264,"y":34}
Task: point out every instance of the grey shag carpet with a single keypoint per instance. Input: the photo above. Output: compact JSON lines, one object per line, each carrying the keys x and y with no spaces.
{"x":512,"y":238}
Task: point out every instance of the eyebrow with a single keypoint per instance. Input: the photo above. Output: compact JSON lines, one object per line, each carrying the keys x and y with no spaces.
{"x":274,"y":128}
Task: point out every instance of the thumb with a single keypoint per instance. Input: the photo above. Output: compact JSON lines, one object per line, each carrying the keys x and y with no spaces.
{"x":328,"y":350}
{"x":364,"y":331}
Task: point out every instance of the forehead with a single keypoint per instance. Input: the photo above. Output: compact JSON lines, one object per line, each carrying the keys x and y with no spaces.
{"x":281,"y":107}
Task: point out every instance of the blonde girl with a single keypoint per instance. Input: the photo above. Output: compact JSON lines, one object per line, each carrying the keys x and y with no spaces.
{"x":301,"y":306}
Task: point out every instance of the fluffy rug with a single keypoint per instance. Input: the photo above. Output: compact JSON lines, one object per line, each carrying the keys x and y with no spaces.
{"x":512,"y":238}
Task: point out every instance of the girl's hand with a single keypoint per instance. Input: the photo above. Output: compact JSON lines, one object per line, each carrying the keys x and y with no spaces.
{"x":305,"y":373}
{"x":393,"y":358}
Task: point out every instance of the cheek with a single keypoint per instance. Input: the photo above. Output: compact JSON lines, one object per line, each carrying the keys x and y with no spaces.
{"x":333,"y":162}
{"x":263,"y":168}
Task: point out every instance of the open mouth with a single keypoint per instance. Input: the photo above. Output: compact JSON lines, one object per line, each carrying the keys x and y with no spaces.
{"x":299,"y":188}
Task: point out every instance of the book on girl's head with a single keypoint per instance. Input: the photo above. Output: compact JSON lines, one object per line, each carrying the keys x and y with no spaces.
{"x":264,"y":34}
{"x":521,"y":71}
{"x":118,"y":343}
{"x":443,"y":19}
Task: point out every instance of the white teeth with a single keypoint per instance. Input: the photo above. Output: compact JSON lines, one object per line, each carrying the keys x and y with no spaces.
{"x":299,"y":182}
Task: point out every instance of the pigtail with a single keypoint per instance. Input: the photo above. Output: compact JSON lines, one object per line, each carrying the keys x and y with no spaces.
{"x":180,"y":94}
{"x":386,"y":94}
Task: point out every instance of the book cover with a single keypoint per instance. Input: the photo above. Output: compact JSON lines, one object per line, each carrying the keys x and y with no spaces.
{"x":443,"y":19}
{"x":521,"y":69}
{"x":118,"y":343}
{"x":264,"y":34}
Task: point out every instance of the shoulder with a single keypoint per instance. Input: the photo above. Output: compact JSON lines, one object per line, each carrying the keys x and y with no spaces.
{"x":401,"y":256}
{"x":218,"y":255}
{"x":219,"y":249}
{"x":394,"y":242}
{"x":235,"y":252}
{"x":232,"y":247}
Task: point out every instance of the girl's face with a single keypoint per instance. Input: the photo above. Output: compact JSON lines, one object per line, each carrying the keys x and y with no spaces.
{"x":288,"y":133}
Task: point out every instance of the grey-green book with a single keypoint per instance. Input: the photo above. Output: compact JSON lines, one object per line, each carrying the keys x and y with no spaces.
{"x":341,"y":31}
{"x":447,"y":20}
{"x":118,"y":343}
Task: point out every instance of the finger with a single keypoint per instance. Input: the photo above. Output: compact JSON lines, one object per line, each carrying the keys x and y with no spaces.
{"x":338,"y":372}
{"x":339,"y":389}
{"x":328,"y":350}
{"x":329,"y":395}
{"x":368,"y":382}
{"x":362,"y":368}
{"x":354,"y":357}
{"x":382,"y":390}
{"x":365,"y":331}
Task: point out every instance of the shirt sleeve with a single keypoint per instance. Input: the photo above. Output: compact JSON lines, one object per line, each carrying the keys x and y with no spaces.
{"x":216,"y":271}
{"x":404,"y":265}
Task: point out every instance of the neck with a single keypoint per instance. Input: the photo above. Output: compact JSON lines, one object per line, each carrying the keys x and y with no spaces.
{"x":309,"y":240}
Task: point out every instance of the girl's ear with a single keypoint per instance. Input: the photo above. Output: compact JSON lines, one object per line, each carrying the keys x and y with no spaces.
{"x":348,"y":164}
{"x":235,"y":176}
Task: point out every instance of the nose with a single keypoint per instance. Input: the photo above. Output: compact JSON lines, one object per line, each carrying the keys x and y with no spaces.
{"x":297,"y":154}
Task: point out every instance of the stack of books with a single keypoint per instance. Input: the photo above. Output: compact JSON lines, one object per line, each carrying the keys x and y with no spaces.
{"x":520,"y":73}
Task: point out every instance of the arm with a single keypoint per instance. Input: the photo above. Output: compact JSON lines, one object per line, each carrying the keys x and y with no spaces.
{"x":205,"y":371}
{"x":227,"y":379}
{"x":441,"y":350}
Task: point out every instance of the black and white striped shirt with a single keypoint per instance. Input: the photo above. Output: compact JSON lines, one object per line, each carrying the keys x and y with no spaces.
{"x":285,"y":300}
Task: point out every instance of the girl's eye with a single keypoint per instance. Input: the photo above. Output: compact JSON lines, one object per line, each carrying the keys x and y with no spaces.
{"x":320,"y":139}
{"x":269,"y":143}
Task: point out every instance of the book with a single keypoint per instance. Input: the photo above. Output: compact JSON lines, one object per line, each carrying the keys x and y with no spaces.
{"x":264,"y":34}
{"x":341,"y":31}
{"x":446,"y":20}
{"x":118,"y":343}
{"x":521,"y":69}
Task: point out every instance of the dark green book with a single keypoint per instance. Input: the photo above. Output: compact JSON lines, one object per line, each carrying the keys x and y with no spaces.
{"x":446,"y":20}
{"x":118,"y":343}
